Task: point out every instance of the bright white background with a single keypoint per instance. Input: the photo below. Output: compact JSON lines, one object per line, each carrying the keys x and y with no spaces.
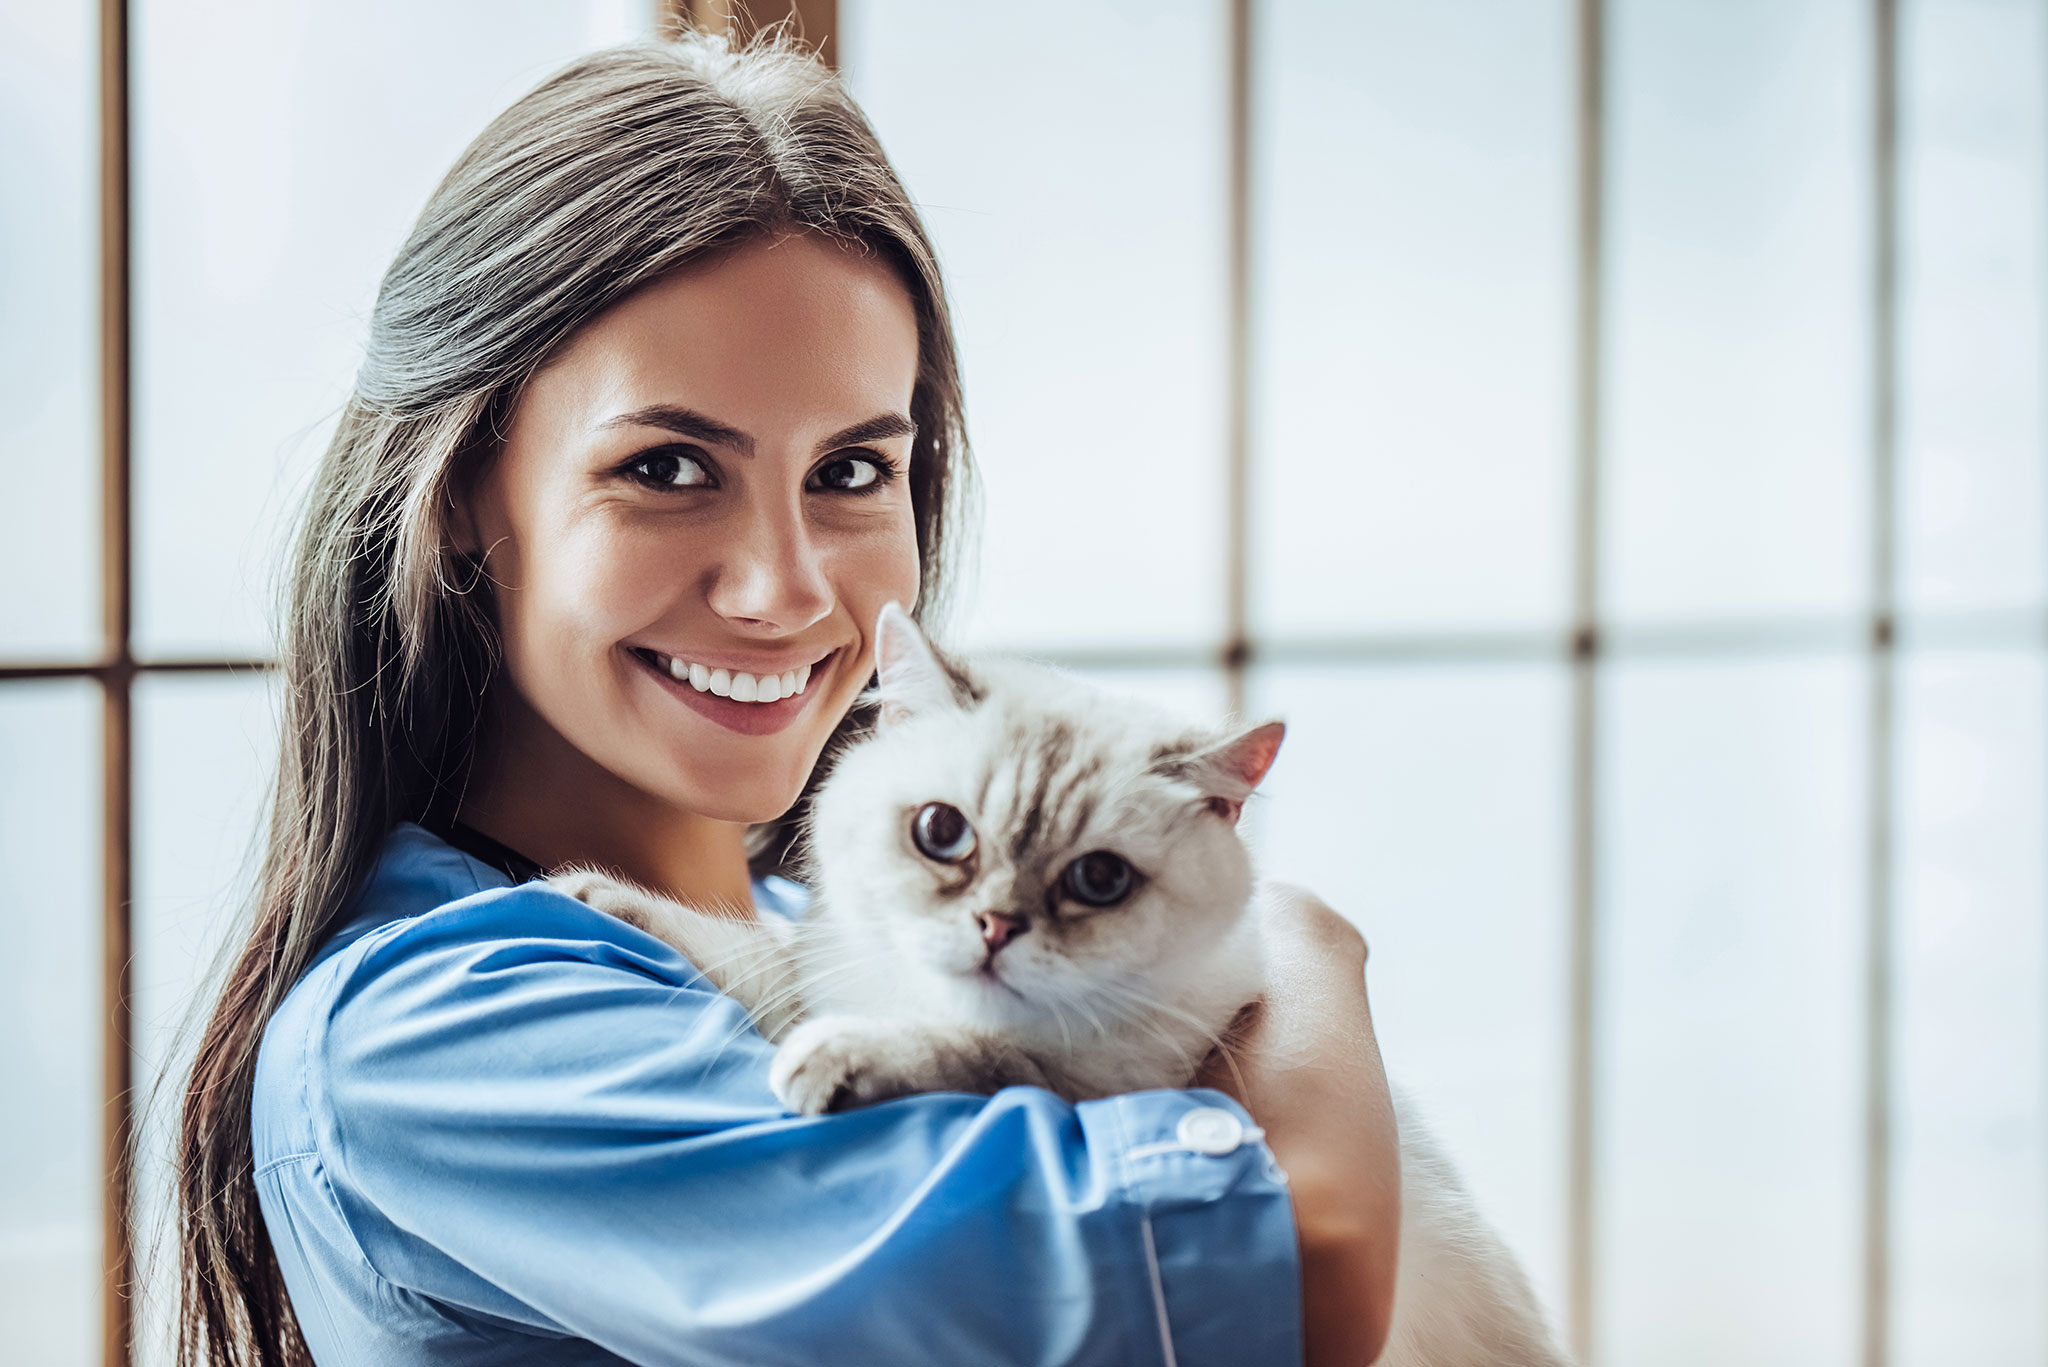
{"x":1411,"y":449}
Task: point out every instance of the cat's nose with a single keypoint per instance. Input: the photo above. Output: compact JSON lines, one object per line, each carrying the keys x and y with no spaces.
{"x":998,"y":928}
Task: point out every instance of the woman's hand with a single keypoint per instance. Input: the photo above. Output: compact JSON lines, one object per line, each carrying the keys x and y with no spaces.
{"x":1305,"y":1064}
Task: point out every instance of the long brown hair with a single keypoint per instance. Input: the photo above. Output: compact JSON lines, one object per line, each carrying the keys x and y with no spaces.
{"x":626,"y":165}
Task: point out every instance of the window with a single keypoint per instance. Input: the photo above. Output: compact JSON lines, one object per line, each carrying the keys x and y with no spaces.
{"x":1609,"y":431}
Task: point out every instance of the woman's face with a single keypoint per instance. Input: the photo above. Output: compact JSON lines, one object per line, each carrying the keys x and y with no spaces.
{"x":709,"y":481}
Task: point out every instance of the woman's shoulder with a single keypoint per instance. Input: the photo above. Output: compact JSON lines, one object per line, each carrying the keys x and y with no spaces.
{"x":423,"y":898}
{"x":419,"y":874}
{"x":423,"y":892}
{"x":436,"y":944}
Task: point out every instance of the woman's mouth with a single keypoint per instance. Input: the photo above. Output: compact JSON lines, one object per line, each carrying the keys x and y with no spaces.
{"x":754,"y":704}
{"x":736,"y":684}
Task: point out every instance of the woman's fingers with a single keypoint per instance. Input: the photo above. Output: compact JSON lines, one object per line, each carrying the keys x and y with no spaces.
{"x":1296,"y":920}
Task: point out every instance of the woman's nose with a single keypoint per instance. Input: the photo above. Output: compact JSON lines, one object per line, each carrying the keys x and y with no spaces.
{"x":772,"y":574}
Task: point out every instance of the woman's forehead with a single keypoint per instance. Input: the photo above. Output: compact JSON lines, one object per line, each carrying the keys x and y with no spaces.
{"x":773,"y":336}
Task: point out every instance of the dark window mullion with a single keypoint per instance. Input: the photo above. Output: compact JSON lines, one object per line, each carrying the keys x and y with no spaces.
{"x":1237,"y":491}
{"x":1586,"y":651}
{"x":116,"y":677}
{"x":1883,"y":664}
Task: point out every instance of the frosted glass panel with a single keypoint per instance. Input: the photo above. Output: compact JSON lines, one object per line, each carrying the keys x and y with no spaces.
{"x":1428,"y":805}
{"x":50,"y":1023}
{"x":1971,"y":1147}
{"x":282,"y":151}
{"x":1972,"y":304}
{"x":205,"y":747}
{"x":1738,"y":275}
{"x":1199,"y":695}
{"x":1072,"y":174}
{"x":49,"y":329}
{"x":1414,"y":238}
{"x":1730,"y":1117}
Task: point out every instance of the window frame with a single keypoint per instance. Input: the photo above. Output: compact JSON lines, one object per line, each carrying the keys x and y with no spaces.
{"x":1586,"y":645}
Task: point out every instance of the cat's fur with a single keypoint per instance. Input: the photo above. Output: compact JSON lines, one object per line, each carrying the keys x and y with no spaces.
{"x":891,"y":984}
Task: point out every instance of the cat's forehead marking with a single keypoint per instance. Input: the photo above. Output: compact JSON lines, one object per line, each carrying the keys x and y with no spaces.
{"x":1062,"y":801}
{"x":1042,"y":781}
{"x":968,"y":691}
{"x":1166,"y":754}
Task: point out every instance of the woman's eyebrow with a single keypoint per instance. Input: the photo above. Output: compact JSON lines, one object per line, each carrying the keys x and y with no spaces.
{"x":688,"y":422}
{"x":879,"y":428}
{"x":684,"y":422}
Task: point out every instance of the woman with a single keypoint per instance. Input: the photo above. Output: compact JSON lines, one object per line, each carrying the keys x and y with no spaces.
{"x":665,"y":371}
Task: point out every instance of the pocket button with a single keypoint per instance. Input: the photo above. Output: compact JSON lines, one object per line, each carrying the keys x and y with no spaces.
{"x":1210,"y":1130}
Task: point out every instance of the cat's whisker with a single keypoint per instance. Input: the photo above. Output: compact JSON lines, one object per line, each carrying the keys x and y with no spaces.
{"x":1096,"y":1023}
{"x":1227,"y":1051}
{"x":734,"y":966}
{"x":798,"y":985}
{"x":1151,"y":1008}
{"x":768,"y":1006}
{"x":1226,"y":1046}
{"x":718,"y":1050}
{"x":793,"y":992}
{"x":738,"y":973}
{"x":1055,"y":999}
{"x":1147,"y":1022}
{"x":1080,"y":1005}
{"x":1154,"y":1004}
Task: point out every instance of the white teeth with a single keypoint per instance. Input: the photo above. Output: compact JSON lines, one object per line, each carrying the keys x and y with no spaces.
{"x":738,"y":685}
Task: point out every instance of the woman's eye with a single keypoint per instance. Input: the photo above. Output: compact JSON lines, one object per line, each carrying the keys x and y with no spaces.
{"x":942,"y":832}
{"x":1099,"y":879}
{"x":669,"y":469}
{"x":856,"y":473}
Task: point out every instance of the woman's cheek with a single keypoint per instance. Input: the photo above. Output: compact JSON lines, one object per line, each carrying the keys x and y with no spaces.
{"x":619,"y":571}
{"x":585,"y":592}
{"x":878,"y":565}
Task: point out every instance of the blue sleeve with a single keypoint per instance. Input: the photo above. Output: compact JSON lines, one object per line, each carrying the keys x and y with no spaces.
{"x":529,"y":1110}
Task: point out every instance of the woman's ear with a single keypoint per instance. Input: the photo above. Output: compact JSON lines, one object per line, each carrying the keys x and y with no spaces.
{"x":468,"y":490}
{"x":458,"y":516}
{"x":464,"y":549}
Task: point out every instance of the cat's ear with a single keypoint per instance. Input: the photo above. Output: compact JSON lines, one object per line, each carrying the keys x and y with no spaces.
{"x":913,"y":678}
{"x":1227,"y":772}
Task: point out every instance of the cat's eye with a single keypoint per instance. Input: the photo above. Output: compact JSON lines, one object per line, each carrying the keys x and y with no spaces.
{"x":942,"y":832}
{"x":1099,"y":879}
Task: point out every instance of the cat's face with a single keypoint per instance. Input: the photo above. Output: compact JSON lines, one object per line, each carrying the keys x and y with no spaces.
{"x":1020,"y":849}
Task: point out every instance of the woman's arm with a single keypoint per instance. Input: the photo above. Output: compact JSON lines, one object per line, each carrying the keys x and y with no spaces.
{"x":1309,"y":1072}
{"x":526,"y":1110}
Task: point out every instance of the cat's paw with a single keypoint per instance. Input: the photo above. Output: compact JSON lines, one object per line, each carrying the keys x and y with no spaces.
{"x":597,"y":889}
{"x":837,"y":1063}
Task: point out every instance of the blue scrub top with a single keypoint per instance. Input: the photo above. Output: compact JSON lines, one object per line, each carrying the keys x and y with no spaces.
{"x":494,"y":1125}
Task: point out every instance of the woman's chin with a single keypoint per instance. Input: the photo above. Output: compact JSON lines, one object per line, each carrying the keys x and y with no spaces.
{"x":736,"y":804}
{"x":759,"y":782}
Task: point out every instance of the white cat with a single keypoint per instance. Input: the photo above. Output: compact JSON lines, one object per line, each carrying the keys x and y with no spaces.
{"x":1021,"y":879}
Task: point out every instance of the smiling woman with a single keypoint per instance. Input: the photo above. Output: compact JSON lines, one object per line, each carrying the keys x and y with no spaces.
{"x":505,"y":516}
{"x":660,"y":409}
